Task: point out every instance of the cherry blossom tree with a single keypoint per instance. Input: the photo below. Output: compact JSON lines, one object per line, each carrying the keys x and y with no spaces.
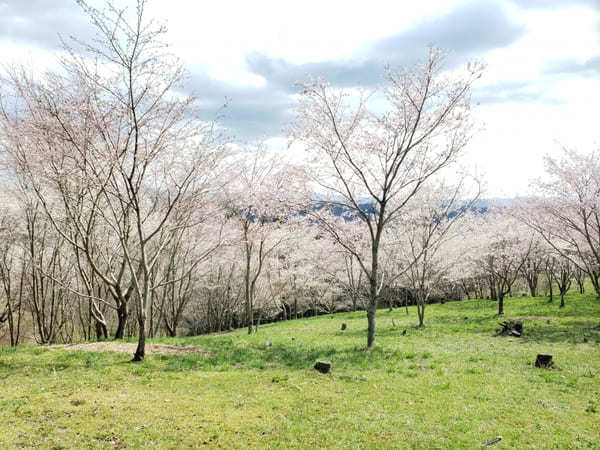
{"x":566,"y":210}
{"x":425,"y":234}
{"x":262,"y":200}
{"x":111,"y":150}
{"x":370,"y":161}
{"x":501,"y":248}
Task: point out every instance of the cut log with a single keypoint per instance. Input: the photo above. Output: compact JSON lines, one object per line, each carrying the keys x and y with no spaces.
{"x":323,"y":366}
{"x":543,"y":361}
{"x":511,"y":328}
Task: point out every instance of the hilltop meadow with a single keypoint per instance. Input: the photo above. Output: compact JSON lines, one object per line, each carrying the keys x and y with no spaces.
{"x":453,"y":383}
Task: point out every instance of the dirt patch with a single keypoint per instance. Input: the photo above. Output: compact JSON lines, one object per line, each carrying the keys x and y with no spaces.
{"x":128,"y":347}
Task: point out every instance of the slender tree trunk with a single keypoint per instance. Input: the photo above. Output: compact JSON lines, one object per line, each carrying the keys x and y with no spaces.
{"x":140,"y":351}
{"x":122,"y":314}
{"x":101,"y":330}
{"x":248,"y":293}
{"x":532,"y":281}
{"x":371,"y":324}
{"x":11,"y":327}
{"x":421,"y":313}
{"x":373,"y":294}
{"x":493,"y":290}
{"x":500,"y":303}
{"x":594,"y":277}
{"x":295,"y":308}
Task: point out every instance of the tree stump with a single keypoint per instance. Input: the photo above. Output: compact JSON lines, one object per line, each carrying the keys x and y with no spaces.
{"x":323,"y":366}
{"x":343,"y":326}
{"x":544,"y":361}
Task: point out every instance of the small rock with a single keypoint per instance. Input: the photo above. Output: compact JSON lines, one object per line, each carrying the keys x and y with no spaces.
{"x":343,"y":326}
{"x":323,"y":366}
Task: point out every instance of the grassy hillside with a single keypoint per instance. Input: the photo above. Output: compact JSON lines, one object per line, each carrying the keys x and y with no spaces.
{"x":453,"y":384}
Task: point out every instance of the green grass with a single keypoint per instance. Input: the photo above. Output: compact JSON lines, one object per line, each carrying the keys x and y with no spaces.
{"x":452,"y":384}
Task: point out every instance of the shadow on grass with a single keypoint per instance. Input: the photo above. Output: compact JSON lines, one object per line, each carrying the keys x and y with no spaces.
{"x":542,"y":323}
{"x":226,"y":356}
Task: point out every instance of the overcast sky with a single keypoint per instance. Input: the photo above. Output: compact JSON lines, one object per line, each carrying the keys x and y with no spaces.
{"x":541,"y":87}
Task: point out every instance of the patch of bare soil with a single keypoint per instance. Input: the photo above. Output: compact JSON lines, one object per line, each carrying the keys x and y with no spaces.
{"x":128,"y":347}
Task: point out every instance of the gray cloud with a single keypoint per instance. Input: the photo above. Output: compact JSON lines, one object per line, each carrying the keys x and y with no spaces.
{"x":467,"y":32}
{"x":252,"y":112}
{"x":515,"y":92}
{"x":589,"y":68}
{"x":40,"y":22}
{"x":550,"y":4}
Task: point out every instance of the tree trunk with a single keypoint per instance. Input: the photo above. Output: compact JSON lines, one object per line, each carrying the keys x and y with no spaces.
{"x":580,"y":285}
{"x":493,"y":290}
{"x":140,"y":351}
{"x":532,"y":281}
{"x":371,"y":324}
{"x":101,"y":331}
{"x":121,"y":320}
{"x":421,"y":313}
{"x":596,"y":283}
{"x":500,"y":303}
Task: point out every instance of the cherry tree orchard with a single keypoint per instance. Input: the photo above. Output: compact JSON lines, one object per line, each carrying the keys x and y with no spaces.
{"x":121,"y":198}
{"x":109,"y":150}
{"x":371,"y":160}
{"x":566,"y":210}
